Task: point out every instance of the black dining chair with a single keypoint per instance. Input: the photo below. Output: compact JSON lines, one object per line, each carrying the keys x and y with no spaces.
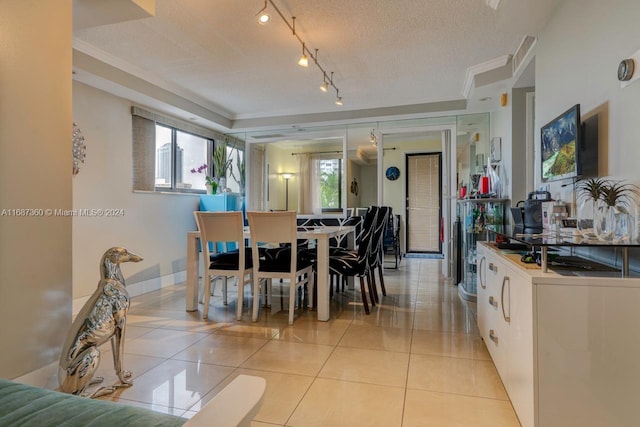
{"x":347,"y":263}
{"x":376,"y":260}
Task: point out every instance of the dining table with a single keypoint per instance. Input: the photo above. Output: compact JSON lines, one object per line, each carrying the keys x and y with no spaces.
{"x":321,"y":234}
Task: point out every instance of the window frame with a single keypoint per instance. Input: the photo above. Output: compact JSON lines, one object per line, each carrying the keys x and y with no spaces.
{"x":174,"y":159}
{"x":340,"y":207}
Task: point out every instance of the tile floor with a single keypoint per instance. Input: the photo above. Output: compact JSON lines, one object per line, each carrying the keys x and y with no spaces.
{"x":417,"y":360}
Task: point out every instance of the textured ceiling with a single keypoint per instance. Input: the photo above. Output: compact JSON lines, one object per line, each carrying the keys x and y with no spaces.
{"x":384,"y":53}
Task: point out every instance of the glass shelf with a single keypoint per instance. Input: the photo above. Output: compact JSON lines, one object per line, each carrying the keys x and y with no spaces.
{"x":548,"y":238}
{"x":478,"y":216}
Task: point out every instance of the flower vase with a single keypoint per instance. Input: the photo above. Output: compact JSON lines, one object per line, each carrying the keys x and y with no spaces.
{"x":209,"y":188}
{"x":222,"y":185}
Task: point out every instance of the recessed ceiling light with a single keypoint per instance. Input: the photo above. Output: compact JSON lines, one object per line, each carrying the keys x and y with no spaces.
{"x":486,"y":98}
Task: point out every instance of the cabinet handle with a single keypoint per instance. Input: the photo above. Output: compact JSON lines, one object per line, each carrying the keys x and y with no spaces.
{"x":492,"y":335}
{"x":482,"y":284}
{"x":505,"y":279}
{"x":493,"y":301}
{"x":493,"y":267}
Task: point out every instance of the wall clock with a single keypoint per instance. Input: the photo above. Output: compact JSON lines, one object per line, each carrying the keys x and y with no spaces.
{"x":392,"y":173}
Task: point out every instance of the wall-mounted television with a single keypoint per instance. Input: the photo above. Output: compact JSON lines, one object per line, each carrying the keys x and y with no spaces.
{"x":560,"y":152}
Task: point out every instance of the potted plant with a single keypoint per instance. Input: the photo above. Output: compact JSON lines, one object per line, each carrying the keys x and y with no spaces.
{"x":221,"y":165}
{"x":241,"y":180}
{"x":613,"y":221}
{"x":589,"y":201}
{"x":211,"y":185}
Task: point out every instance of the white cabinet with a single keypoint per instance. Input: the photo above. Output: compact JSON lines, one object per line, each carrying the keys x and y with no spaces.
{"x":505,"y":307}
{"x":566,"y":347}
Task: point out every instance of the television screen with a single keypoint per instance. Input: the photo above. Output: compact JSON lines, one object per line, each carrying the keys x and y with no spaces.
{"x":559,"y":139}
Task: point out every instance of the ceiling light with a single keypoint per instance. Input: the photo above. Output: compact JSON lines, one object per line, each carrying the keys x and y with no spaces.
{"x":304,"y":60}
{"x":306,"y":53}
{"x":263,"y":16}
{"x":325,"y":85}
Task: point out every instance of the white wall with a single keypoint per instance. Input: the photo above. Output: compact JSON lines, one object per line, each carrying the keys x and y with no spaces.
{"x":368,"y":185}
{"x":154,"y":225}
{"x":577,"y":56}
{"x":281,"y":161}
{"x":395,"y":192}
{"x":353,"y":172}
{"x":35,"y":172}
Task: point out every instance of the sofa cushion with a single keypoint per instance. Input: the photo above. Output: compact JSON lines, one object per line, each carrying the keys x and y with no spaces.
{"x":28,"y":406}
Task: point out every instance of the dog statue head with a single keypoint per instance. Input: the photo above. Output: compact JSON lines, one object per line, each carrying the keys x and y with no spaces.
{"x":111,"y":260}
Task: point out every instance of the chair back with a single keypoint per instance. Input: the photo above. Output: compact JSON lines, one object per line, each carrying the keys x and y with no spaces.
{"x":220,"y":227}
{"x":368,"y":227}
{"x":382,"y":220}
{"x":273,"y":227}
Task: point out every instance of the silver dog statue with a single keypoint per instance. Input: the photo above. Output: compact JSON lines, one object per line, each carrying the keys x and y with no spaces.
{"x":102,"y":318}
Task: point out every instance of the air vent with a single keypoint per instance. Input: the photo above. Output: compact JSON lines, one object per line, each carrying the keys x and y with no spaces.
{"x":275,"y":135}
{"x":522,"y":52}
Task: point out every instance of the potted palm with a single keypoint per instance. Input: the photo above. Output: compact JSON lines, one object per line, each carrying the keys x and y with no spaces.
{"x":221,"y":165}
{"x":240,"y":165}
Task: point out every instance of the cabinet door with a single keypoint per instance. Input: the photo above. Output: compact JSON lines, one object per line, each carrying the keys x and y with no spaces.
{"x":482,"y":304}
{"x":517,"y":295}
{"x":495,"y":331}
{"x":588,"y":355}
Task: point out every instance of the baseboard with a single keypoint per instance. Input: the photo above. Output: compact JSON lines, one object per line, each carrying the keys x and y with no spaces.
{"x":139,"y":288}
{"x":45,"y":377}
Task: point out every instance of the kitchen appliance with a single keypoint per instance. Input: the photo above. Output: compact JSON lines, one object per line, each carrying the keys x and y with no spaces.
{"x":533,"y":209}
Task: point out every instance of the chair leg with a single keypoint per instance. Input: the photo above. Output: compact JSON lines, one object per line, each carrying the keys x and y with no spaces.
{"x":240,"y":282}
{"x":380,"y":271}
{"x":207,"y":296}
{"x":364,"y":295}
{"x":256,"y":299}
{"x":292,"y":298}
{"x":374,"y":287}
{"x":224,"y":290}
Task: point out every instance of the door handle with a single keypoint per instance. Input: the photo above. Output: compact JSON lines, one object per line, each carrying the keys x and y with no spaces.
{"x":492,"y":336}
{"x":504,"y":314}
{"x":482,"y":285}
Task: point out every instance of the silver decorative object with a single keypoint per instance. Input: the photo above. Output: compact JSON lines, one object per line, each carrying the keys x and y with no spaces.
{"x":102,"y":318}
{"x":79,"y":148}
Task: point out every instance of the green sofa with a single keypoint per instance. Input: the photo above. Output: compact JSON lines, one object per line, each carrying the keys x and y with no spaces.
{"x":24,"y":405}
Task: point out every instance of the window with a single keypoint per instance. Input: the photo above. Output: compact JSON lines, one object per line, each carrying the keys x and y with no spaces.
{"x":330,"y":171}
{"x":170,"y":154}
{"x":236,"y":173}
{"x":178,"y":154}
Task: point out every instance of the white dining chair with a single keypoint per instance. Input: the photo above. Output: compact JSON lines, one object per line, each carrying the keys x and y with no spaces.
{"x":217,"y":231}
{"x":273,"y":235}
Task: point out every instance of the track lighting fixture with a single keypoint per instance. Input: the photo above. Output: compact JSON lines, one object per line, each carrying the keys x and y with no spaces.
{"x":263,"y":18}
{"x":304,"y":60}
{"x":373,"y":139}
{"x":325,"y":85}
